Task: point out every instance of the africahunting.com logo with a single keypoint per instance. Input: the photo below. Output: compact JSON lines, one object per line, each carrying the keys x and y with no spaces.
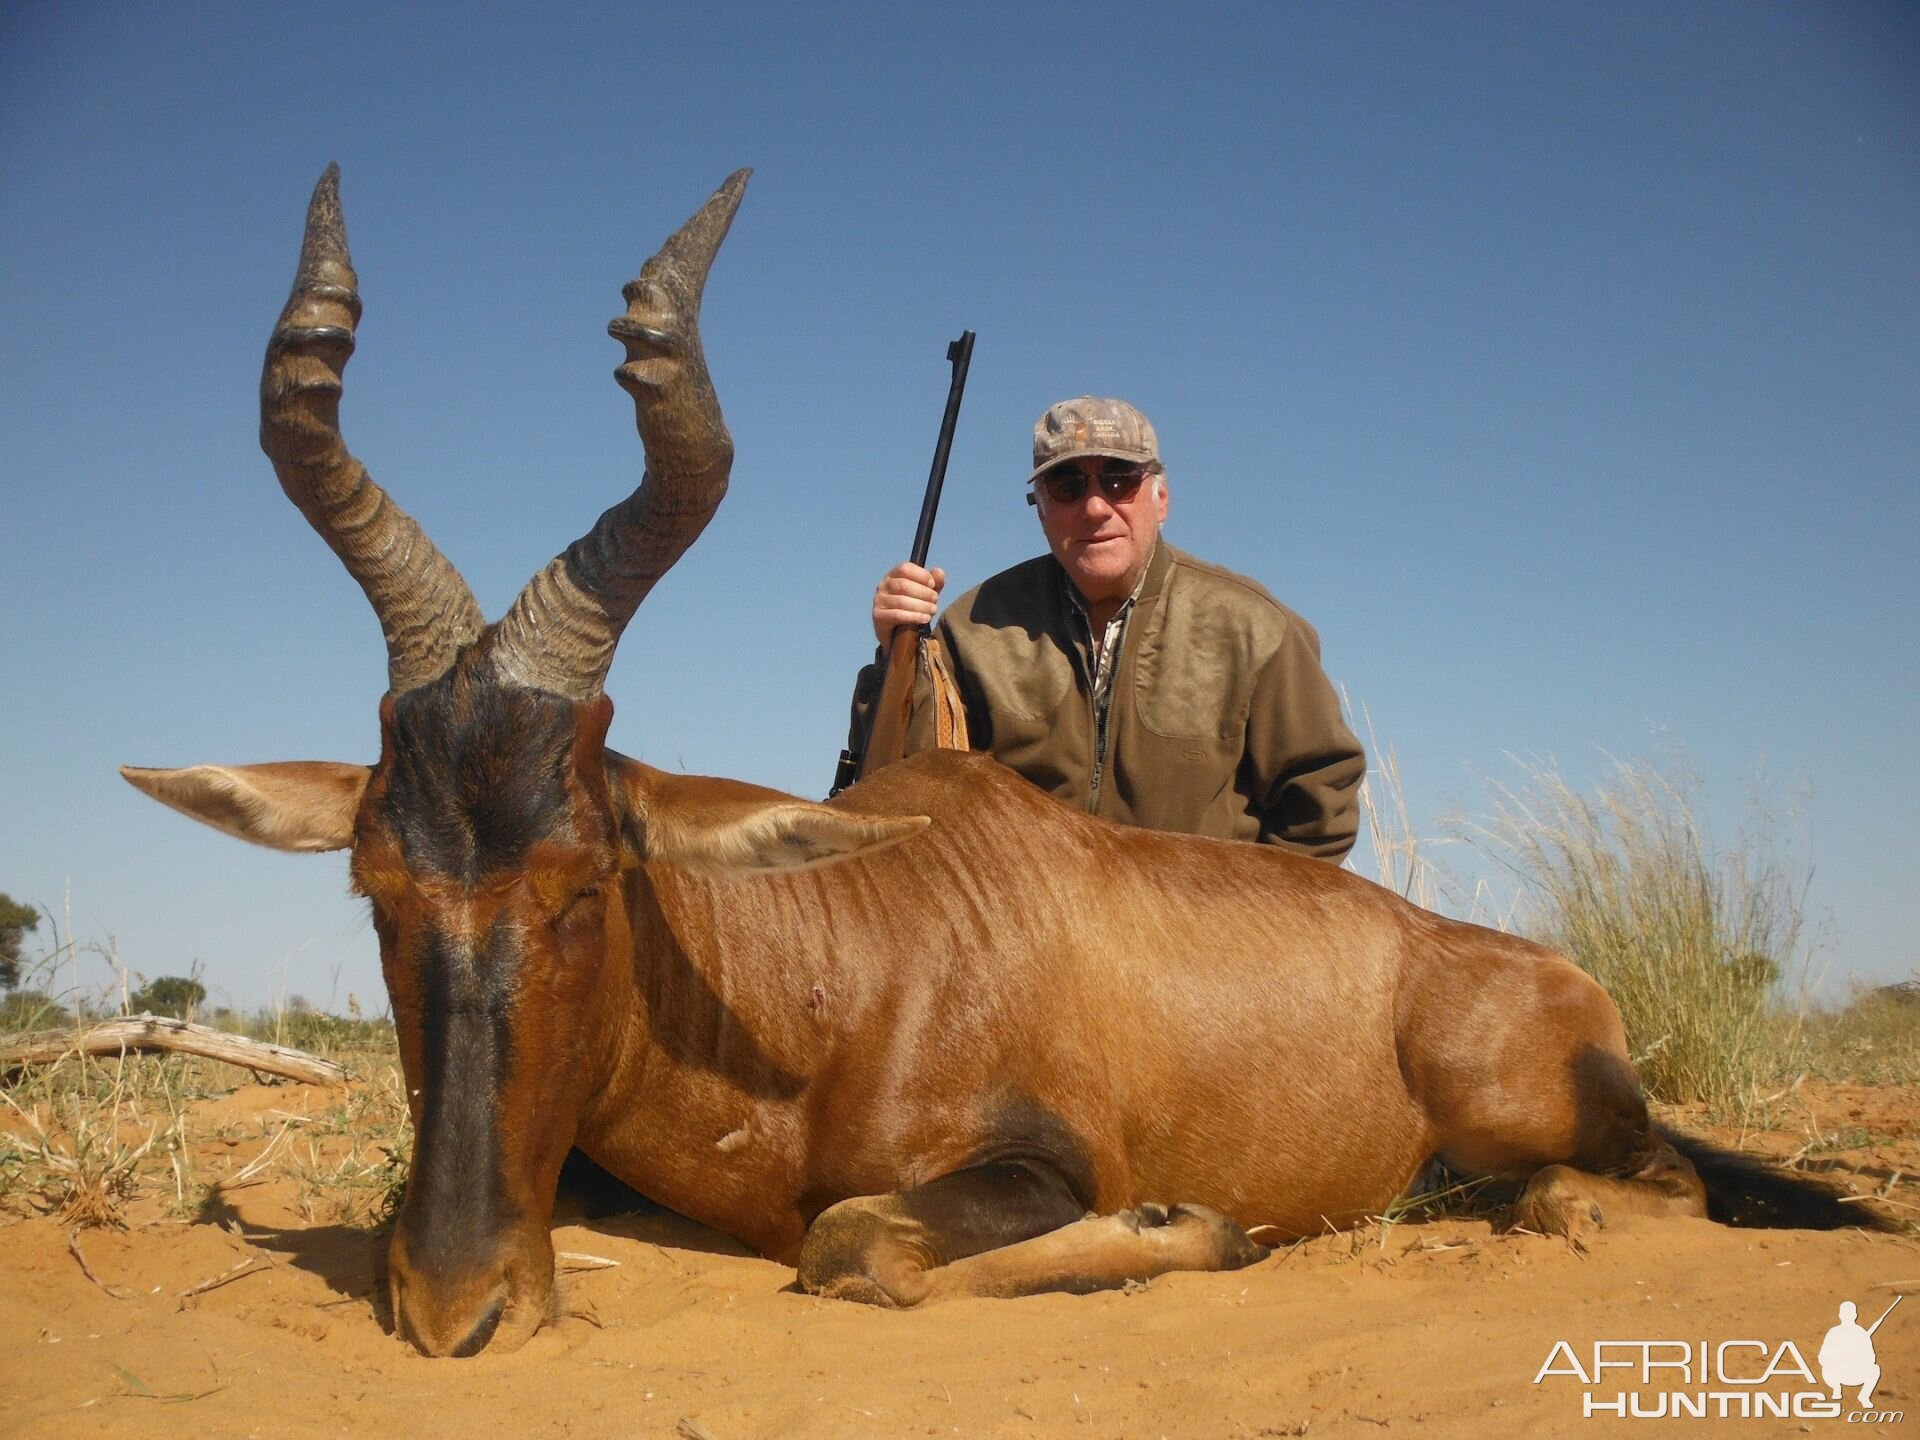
{"x":1728,"y":1379}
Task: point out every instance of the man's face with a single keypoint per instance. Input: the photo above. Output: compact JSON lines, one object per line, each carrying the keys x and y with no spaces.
{"x":1102,"y":542}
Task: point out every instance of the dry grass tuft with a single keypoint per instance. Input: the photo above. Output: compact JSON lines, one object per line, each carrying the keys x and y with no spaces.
{"x":350,"y":1163}
{"x":1691,"y":941}
{"x":75,"y":1150}
{"x":1701,"y":948}
{"x":83,"y":1139}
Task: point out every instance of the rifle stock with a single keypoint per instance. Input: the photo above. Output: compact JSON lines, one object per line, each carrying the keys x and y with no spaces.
{"x":887,"y":739}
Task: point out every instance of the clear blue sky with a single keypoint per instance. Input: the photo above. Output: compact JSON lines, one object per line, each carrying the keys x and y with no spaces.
{"x":1560,"y":362}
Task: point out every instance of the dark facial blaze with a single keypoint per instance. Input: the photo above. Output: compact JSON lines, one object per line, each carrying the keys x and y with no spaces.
{"x":477,"y":773}
{"x":485,"y":834}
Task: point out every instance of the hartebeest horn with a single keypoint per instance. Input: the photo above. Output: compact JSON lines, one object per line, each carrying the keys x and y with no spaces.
{"x":424,"y":606}
{"x":561,"y":632}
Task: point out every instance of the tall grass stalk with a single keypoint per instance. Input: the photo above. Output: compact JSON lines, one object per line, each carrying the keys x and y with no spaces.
{"x":1403,"y":860}
{"x":1690,"y":942}
{"x":1399,"y":862}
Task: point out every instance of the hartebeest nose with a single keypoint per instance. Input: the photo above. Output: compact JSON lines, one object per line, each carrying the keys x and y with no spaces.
{"x":432,"y":1330}
{"x":457,"y":1310}
{"x":478,"y":1337}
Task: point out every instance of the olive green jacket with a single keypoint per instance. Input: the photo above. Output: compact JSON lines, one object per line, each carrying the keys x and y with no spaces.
{"x":1222,"y":722}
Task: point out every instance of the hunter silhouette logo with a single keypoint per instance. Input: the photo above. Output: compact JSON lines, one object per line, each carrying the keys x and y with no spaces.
{"x":1728,"y":1379}
{"x":1846,"y":1355}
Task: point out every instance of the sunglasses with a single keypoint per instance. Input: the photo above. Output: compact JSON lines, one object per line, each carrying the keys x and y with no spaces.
{"x":1119,"y":482}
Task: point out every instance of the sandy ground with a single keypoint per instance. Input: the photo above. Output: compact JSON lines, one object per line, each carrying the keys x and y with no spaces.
{"x":1434,"y":1328}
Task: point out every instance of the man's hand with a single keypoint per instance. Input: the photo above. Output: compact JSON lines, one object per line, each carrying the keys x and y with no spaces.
{"x":906,"y":595}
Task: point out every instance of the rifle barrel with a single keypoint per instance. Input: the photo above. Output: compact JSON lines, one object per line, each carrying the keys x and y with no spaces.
{"x":887,"y":728}
{"x":1883,"y":1315}
{"x":960,"y":356}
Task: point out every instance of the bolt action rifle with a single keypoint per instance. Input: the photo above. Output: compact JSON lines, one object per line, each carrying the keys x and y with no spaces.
{"x":887,"y":735}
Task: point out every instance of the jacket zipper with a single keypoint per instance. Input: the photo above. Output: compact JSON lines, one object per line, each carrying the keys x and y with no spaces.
{"x":1102,"y":712}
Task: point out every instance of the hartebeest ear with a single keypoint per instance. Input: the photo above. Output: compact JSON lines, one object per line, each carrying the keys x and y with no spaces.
{"x":288,"y":805}
{"x":728,"y":825}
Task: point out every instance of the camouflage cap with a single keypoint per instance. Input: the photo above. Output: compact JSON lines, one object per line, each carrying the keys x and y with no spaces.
{"x":1092,"y":426}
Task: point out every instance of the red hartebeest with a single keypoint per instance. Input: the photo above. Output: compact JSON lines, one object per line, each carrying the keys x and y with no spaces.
{"x":910,"y":1073}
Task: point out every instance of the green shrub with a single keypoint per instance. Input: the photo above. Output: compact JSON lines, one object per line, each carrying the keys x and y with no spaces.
{"x":16,"y":920}
{"x":32,"y":1010}
{"x":174,"y":995}
{"x":325,"y":1034}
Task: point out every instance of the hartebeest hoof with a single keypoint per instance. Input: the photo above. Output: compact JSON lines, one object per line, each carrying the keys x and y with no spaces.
{"x":1565,"y":1200}
{"x":1558,"y":1201}
{"x":1197,"y":1233}
{"x":866,"y":1251}
{"x":1232,"y":1248}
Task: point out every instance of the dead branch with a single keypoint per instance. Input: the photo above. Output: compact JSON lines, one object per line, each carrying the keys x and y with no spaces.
{"x":573,"y":1260}
{"x":252,"y":1265}
{"x":73,"y":1244}
{"x":161,"y":1032}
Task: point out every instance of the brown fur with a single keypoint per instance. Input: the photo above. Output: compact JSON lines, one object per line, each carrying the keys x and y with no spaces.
{"x":1055,"y":1013}
{"x":1195,"y":1014}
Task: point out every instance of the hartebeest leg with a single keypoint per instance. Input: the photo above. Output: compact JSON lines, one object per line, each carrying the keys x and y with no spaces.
{"x":1005,"y":1229}
{"x":1104,"y":1252}
{"x":1612,"y":1162}
{"x":1561,"y":1200}
{"x":1520,"y":1062}
{"x":879,"y":1249}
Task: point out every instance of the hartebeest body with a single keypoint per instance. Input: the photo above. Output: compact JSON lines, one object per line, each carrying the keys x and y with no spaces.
{"x":910,"y":1072}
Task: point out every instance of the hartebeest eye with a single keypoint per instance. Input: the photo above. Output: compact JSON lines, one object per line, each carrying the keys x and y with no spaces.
{"x":562,"y":876}
{"x":380,"y":884}
{"x":583,"y":916}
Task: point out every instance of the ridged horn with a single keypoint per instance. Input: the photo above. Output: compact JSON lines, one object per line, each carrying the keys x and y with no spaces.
{"x":561,"y":632}
{"x":426,"y":610}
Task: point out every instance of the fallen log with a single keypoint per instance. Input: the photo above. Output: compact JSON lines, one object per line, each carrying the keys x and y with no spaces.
{"x":160,"y":1032}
